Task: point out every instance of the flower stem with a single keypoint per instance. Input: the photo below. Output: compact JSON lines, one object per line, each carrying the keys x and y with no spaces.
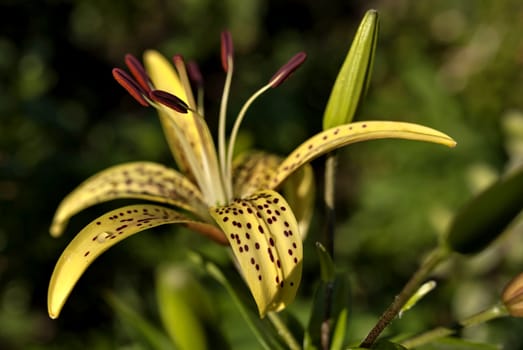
{"x":434,"y":258}
{"x":489,"y":314}
{"x":283,"y":331}
{"x":331,"y":165}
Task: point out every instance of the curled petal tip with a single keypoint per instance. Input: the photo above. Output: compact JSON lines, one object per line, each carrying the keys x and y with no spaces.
{"x":287,"y":69}
{"x":169,"y":100}
{"x":227,"y":49}
{"x":129,"y":84}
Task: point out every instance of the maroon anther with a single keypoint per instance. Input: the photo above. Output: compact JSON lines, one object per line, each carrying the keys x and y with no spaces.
{"x":138,"y":72}
{"x":178,"y":59}
{"x":194,"y":73}
{"x":169,"y":100}
{"x":227,"y":49}
{"x":287,"y":69}
{"x":129,"y":84}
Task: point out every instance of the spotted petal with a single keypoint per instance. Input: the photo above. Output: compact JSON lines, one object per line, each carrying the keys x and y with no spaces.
{"x":96,"y":238}
{"x":254,"y":171}
{"x":346,"y":134}
{"x":143,"y":180}
{"x":266,"y":243}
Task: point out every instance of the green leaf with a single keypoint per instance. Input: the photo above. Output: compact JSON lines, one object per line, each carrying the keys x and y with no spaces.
{"x":340,"y":331}
{"x":142,"y":328}
{"x":451,"y":343}
{"x":262,"y":328}
{"x":331,"y":303}
{"x":485,"y":217}
{"x":354,"y":76}
{"x":422,"y":291}
{"x":387,"y":345}
{"x":327,"y":268}
{"x":179,"y":295}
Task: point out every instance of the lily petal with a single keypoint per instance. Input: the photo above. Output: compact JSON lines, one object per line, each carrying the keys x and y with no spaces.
{"x":96,"y":238}
{"x":142,"y":180}
{"x":300,"y":191}
{"x":266,"y":243}
{"x":346,"y":134}
{"x":253,"y":171}
{"x":193,"y":127}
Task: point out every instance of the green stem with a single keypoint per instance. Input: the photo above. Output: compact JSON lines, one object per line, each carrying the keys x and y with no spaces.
{"x":489,"y":314}
{"x":331,"y":165}
{"x":434,"y":258}
{"x":283,"y":331}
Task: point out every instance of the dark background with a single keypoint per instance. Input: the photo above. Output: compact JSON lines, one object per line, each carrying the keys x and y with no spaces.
{"x":452,"y":65}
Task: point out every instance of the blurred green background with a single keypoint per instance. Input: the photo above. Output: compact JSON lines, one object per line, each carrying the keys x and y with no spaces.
{"x":452,"y":65}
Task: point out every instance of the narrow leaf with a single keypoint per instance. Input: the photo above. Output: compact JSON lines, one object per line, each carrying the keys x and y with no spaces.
{"x":486,"y":216}
{"x":346,"y":134}
{"x":354,"y":76}
{"x":460,"y":344}
{"x":327,"y":268}
{"x":96,"y":238}
{"x":141,"y":180}
{"x":141,"y":326}
{"x":265,"y":240}
{"x":261,"y":328}
{"x":176,"y":290}
{"x":422,"y":291}
{"x":331,"y":302}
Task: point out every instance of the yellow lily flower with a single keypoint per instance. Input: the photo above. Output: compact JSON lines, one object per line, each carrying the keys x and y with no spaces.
{"x":233,"y":203}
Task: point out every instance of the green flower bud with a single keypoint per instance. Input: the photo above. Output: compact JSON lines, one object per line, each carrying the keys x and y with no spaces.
{"x":354,"y":76}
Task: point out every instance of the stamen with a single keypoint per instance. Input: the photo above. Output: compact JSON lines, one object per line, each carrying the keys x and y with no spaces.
{"x":169,"y":100}
{"x":184,"y":79}
{"x":228,"y":66}
{"x":129,"y":84}
{"x":234,"y":133}
{"x":194,"y":74}
{"x":227,"y":49}
{"x":196,"y":77}
{"x":287,"y":69}
{"x":138,"y":72}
